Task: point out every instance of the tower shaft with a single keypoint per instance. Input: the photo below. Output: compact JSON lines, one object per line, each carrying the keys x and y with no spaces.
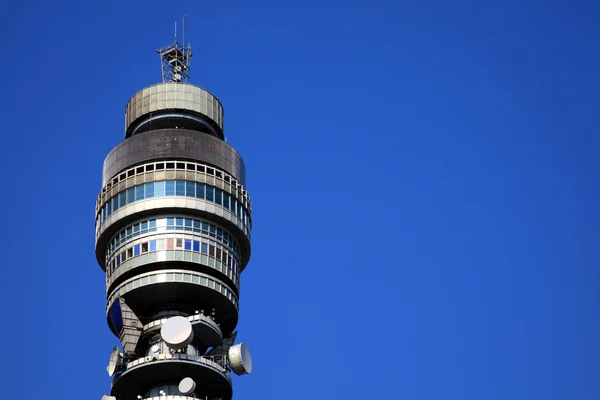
{"x":173,"y":223}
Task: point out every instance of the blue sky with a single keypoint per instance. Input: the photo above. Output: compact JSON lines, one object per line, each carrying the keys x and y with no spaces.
{"x":423,"y":176}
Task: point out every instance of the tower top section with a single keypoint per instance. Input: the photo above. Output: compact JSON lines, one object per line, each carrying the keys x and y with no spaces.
{"x":175,"y":58}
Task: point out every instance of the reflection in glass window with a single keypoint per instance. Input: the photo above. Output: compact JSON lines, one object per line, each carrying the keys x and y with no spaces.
{"x":204,"y":248}
{"x":190,"y":189}
{"x":159,"y":188}
{"x":188,"y":244}
{"x":139,"y":192}
{"x":196,"y":245}
{"x":152,"y":244}
{"x":170,"y":188}
{"x":130,"y":195}
{"x":200,"y":189}
{"x":149,"y":187}
{"x":218,"y":196}
{"x":179,"y":188}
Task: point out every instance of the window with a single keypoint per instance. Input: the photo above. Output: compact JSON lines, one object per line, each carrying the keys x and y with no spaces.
{"x":179,"y":188}
{"x":200,"y":188}
{"x":150,"y":167}
{"x":145,"y":247}
{"x":130,"y":195}
{"x":170,"y":165}
{"x":136,"y":250}
{"x":218,"y":196}
{"x":139,"y":192}
{"x":190,"y":189}
{"x":170,"y":188}
{"x":196,"y":245}
{"x":152,"y":245}
{"x":204,"y":248}
{"x":210,"y":193}
{"x":160,"y":166}
{"x":179,"y":243}
{"x":188,"y":244}
{"x":149,"y":190}
{"x":159,"y":188}
{"x":180,"y":165}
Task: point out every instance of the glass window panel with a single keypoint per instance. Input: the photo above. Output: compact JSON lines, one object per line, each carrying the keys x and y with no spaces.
{"x":115,"y":203}
{"x":210,"y":193}
{"x":170,"y":222}
{"x":196,"y":245}
{"x":188,"y":222}
{"x":152,"y":223}
{"x":226,"y":197}
{"x":213,"y":229}
{"x":145,"y":247}
{"x":190,"y":189}
{"x":152,"y":245}
{"x":188,"y":244}
{"x":200,"y":188}
{"x":204,"y":248}
{"x":109,"y":207}
{"x":180,"y":188}
{"x":170,"y":188}
{"x":136,"y":250}
{"x":218,"y":196}
{"x":145,"y":226}
{"x":136,"y":228}
{"x":122,"y":199}
{"x":130,"y":195}
{"x":118,"y":260}
{"x":159,"y":189}
{"x":149,"y":190}
{"x":139,"y":192}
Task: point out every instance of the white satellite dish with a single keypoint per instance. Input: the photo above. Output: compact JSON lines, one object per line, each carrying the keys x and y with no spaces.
{"x":177,"y":332}
{"x":116,"y":361}
{"x":187,"y":386}
{"x":239,"y":359}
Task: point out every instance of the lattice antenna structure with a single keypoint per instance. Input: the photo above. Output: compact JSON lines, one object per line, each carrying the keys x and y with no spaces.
{"x":175,"y":59}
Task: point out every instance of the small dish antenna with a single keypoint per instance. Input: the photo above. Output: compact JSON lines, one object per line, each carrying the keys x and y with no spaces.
{"x":187,"y":386}
{"x":116,"y":361}
{"x":177,"y":332}
{"x":239,"y":359}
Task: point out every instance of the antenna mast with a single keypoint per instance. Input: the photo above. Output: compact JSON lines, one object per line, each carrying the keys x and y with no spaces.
{"x":175,"y":58}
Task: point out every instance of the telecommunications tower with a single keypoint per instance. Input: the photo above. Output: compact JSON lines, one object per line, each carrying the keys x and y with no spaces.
{"x":173,"y":224}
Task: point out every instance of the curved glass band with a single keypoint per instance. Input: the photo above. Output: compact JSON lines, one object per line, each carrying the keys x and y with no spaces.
{"x":164,"y":224}
{"x":173,"y":188}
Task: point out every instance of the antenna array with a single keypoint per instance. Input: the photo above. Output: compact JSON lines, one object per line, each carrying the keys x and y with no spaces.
{"x":175,"y":59}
